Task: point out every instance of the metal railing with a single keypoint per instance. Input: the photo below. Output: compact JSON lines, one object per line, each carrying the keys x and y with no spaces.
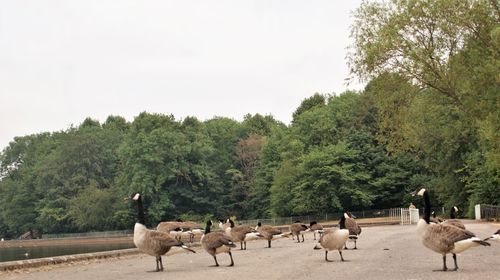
{"x":377,"y":215}
{"x":490,"y":212}
{"x":96,"y":234}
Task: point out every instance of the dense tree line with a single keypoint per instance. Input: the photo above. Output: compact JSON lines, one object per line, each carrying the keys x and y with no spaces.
{"x":429,"y":115}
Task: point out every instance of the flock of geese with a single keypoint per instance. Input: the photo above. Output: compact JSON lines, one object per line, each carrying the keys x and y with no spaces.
{"x":441,"y":236}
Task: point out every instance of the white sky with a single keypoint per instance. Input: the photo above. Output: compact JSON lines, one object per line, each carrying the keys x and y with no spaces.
{"x":62,"y":61}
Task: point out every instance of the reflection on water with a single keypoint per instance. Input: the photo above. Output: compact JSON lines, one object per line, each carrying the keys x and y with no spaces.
{"x":24,"y":253}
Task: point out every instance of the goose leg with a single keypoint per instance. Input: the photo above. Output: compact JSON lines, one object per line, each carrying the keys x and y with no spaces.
{"x":231,"y":256}
{"x":244,"y":242}
{"x":161,"y":264}
{"x":314,"y":235}
{"x":157,"y":264}
{"x":298,"y":238}
{"x":268,"y":243}
{"x":326,"y":256}
{"x":355,"y":248}
{"x":302,"y":237}
{"x":444,"y":263}
{"x":345,"y":246}
{"x":341,"y":257}
{"x":455,"y":260}
{"x":241,"y":245}
{"x":216,"y":263}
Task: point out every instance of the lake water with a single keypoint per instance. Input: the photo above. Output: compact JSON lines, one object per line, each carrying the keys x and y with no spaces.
{"x":25,"y":253}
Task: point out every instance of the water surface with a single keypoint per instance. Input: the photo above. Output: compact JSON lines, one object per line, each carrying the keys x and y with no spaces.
{"x":32,"y":252}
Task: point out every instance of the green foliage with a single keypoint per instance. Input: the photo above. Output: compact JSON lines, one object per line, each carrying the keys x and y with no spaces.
{"x":317,"y":100}
{"x":448,"y":117}
{"x":429,"y":116}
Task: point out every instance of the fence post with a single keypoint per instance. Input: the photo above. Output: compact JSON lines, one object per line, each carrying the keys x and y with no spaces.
{"x":477,"y":210}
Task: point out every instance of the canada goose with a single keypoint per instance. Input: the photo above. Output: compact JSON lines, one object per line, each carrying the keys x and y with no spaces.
{"x":269,"y":233}
{"x":495,"y":236}
{"x":316,"y":228}
{"x":334,"y":239}
{"x":179,"y":228}
{"x":442,"y":238}
{"x":435,"y":219}
{"x":240,"y":234}
{"x":152,"y":242}
{"x":217,"y":242}
{"x":353,"y":227}
{"x":452,"y":221}
{"x":297,"y":229}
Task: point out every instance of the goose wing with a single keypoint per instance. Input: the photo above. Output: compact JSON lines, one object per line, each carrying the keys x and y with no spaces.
{"x":163,"y":237}
{"x":352,"y":226}
{"x":168,"y":226}
{"x":454,"y":222}
{"x":214,"y":240}
{"x":450,"y":234}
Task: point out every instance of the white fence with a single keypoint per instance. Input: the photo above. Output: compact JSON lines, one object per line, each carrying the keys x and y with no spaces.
{"x":487,"y":212}
{"x":409,"y":216}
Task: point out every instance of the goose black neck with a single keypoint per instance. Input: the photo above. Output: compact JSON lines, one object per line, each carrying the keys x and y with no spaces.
{"x":207,"y":228}
{"x":231,"y":223}
{"x":140,"y":211}
{"x":452,"y":213}
{"x":427,"y":207}
{"x":342,"y":222}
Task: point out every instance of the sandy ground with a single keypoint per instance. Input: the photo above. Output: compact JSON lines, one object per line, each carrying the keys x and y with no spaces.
{"x":385,"y":252}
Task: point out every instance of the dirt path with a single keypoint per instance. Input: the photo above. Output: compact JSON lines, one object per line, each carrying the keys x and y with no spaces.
{"x":387,"y":252}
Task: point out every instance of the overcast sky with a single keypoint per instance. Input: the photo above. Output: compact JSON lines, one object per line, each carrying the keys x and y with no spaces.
{"x":62,"y":61}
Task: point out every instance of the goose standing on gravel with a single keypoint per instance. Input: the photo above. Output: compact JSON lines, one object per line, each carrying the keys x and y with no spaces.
{"x":217,"y":242}
{"x":153,"y":242}
{"x":298,"y":229}
{"x":240,"y":234}
{"x":180,"y":229}
{"x":442,"y":238}
{"x":334,"y":239}
{"x":316,"y":228}
{"x":269,"y":233}
{"x":353,"y":227}
{"x":495,"y":236}
{"x":452,"y":221}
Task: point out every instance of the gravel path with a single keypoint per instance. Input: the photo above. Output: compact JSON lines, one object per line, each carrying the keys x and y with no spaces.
{"x":386,"y":252}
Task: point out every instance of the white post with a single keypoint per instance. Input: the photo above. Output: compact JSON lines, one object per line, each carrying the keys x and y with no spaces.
{"x":477,"y":209}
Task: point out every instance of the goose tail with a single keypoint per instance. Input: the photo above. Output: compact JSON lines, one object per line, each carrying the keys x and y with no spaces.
{"x":481,"y":242}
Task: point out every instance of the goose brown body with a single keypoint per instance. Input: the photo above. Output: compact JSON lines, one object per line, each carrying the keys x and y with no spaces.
{"x":240,"y":233}
{"x":443,"y":238}
{"x":297,"y":229}
{"x":268,"y":232}
{"x":217,"y":242}
{"x":353,"y":227}
{"x":153,"y":242}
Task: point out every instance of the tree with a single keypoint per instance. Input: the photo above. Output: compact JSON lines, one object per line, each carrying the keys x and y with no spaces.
{"x":317,"y":100}
{"x":421,"y":39}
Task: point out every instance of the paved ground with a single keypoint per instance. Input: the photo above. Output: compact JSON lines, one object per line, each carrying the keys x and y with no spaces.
{"x":386,"y":252}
